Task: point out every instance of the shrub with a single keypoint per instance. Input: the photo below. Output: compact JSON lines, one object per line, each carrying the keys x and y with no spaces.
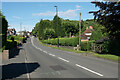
{"x":85,"y":46}
{"x":10,"y":44}
{"x":22,"y":39}
{"x":69,"y":42}
{"x":111,"y":47}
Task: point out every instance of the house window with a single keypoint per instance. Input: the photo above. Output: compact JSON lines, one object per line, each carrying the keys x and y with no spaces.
{"x":88,"y":33}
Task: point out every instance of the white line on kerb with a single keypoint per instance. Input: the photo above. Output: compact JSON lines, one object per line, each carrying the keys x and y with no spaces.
{"x":51,"y":54}
{"x":89,"y":70}
{"x":63,"y":59}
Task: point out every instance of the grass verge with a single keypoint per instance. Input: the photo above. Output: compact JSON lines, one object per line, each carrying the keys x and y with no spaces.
{"x":103,"y":56}
{"x":108,"y":56}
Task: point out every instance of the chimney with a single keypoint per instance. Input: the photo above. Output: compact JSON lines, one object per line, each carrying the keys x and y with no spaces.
{"x":90,"y":27}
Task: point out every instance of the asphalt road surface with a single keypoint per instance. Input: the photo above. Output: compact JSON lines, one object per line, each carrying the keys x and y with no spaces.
{"x":47,"y":62}
{"x":62,"y":64}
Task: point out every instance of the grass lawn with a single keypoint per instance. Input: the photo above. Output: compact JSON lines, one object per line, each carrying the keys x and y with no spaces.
{"x":104,"y":56}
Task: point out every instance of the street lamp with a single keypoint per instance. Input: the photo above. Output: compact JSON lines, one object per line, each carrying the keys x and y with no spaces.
{"x":57,"y":26}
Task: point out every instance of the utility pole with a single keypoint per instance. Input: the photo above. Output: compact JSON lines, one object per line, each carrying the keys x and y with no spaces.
{"x":80,"y":32}
{"x":57,"y":26}
{"x":20,"y":26}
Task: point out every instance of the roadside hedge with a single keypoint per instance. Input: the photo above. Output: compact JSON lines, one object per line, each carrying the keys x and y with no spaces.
{"x":18,"y":38}
{"x":69,"y":42}
{"x":62,"y":41}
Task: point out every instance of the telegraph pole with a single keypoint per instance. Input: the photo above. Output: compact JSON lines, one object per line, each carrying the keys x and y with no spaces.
{"x":20,"y":26}
{"x":80,"y":32}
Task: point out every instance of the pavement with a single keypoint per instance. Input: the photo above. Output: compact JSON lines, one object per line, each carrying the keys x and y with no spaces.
{"x":37,"y":61}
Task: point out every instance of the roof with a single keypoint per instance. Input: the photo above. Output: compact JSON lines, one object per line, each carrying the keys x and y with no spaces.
{"x":102,"y":39}
{"x":88,"y":30}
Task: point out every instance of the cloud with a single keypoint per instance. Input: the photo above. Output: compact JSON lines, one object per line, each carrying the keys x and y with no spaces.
{"x":78,"y":7}
{"x":66,"y":14}
{"x":24,"y":27}
{"x":17,"y":17}
{"x":49,"y":13}
{"x":70,"y":13}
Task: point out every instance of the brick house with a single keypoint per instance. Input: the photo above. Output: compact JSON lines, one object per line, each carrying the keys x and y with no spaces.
{"x":87,"y":33}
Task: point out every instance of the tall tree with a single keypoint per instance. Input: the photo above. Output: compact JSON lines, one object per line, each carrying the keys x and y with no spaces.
{"x":69,"y":27}
{"x":58,"y":20}
{"x":3,"y":26}
{"x":109,"y":16}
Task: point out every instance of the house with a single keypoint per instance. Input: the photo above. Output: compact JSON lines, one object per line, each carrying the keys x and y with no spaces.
{"x":11,"y":31}
{"x":20,"y":33}
{"x":28,"y":33}
{"x":87,"y":33}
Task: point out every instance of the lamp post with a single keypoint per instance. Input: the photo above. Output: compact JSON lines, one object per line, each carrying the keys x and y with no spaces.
{"x":57,"y":26}
{"x":80,"y":32}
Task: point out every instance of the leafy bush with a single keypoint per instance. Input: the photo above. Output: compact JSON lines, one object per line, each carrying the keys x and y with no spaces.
{"x":3,"y":48}
{"x":69,"y":42}
{"x":10,"y":44}
{"x":63,"y":41}
{"x":49,"y":33}
{"x":18,"y":38}
{"x":111,"y":47}
{"x":85,"y":46}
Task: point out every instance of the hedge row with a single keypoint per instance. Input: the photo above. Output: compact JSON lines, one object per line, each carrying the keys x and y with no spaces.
{"x":18,"y":38}
{"x":69,"y":42}
{"x":11,"y":44}
{"x":63,"y":41}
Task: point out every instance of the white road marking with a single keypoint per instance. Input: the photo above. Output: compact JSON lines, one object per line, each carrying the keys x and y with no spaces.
{"x":28,"y":75}
{"x":89,"y":70}
{"x":68,"y":61}
{"x":63,"y":59}
{"x":51,"y":54}
{"x":45,"y":51}
{"x":35,"y":46}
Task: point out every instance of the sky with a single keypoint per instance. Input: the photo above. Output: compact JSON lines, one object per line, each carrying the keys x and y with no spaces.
{"x":29,"y":13}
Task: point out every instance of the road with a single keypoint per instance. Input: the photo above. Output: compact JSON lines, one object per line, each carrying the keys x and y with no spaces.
{"x":53,"y":63}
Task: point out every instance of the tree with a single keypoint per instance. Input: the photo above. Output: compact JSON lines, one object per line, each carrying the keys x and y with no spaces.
{"x":58,"y":20}
{"x":96,"y":35}
{"x":69,"y":27}
{"x":49,"y":33}
{"x":3,"y":27}
{"x":41,"y":26}
{"x":109,"y":16}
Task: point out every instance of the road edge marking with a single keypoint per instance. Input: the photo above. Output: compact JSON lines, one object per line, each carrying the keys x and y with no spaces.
{"x":28,"y":75}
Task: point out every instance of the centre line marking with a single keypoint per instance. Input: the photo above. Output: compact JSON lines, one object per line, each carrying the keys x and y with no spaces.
{"x":63,"y":59}
{"x":45,"y":51}
{"x":89,"y":70}
{"x":51,"y":54}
